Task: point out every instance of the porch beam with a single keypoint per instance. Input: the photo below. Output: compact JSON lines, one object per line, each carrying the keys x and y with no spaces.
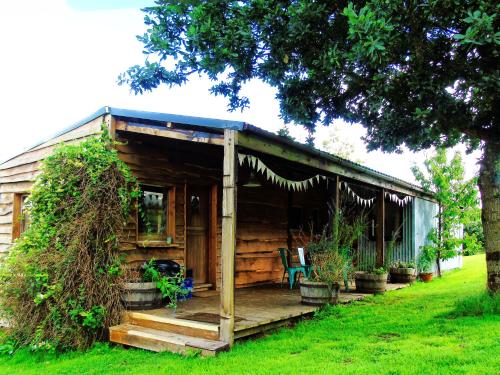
{"x":379,"y":260}
{"x":182,"y":135}
{"x":288,"y":152}
{"x":228,"y":236}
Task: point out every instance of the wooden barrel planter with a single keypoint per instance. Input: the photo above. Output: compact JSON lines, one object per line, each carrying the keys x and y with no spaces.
{"x":370,"y":282}
{"x":402,"y":275}
{"x":141,"y":296}
{"x":315,"y":293}
{"x":425,"y":276}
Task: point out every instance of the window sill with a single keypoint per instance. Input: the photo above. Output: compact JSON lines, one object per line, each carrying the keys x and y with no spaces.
{"x":156,"y":244}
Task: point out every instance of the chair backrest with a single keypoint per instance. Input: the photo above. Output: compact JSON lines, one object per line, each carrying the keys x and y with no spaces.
{"x":283,"y":255}
{"x":302,"y":257}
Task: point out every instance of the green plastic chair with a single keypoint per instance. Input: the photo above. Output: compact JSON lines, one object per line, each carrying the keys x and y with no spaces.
{"x":292,"y":271}
{"x":302,"y":258}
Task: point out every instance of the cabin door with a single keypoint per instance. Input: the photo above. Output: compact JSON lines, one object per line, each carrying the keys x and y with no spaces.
{"x":197,"y":232}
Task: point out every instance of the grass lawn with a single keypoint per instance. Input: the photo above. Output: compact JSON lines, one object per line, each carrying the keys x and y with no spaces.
{"x":408,"y":331}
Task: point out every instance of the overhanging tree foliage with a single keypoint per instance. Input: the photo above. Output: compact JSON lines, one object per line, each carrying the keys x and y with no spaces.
{"x":414,"y":73}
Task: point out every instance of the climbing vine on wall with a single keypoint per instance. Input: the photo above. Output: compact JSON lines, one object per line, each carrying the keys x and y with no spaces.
{"x":60,"y":286}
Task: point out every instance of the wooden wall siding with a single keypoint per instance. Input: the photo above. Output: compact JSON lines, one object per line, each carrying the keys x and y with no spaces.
{"x":161,"y":164}
{"x":261,"y":230}
{"x":18,"y":175}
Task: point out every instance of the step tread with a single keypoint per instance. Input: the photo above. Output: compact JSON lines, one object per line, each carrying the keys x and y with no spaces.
{"x":198,"y":287}
{"x":169,"y":338}
{"x":176,"y":321}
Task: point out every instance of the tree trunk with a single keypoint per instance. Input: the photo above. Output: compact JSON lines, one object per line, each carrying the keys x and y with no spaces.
{"x":489,"y":186}
{"x":438,"y":263}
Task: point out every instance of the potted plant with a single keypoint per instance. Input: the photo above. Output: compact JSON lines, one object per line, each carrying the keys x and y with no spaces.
{"x":373,"y":280}
{"x":148,"y":288}
{"x":426,"y":260}
{"x":323,"y":284}
{"x":402,"y":272}
{"x":140,"y":293}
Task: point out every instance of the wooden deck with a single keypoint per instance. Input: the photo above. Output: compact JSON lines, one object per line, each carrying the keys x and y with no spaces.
{"x":195,"y":323}
{"x":254,"y":307}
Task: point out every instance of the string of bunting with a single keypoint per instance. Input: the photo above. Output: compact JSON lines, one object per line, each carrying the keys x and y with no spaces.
{"x":260,"y":167}
{"x":400,"y":202}
{"x":361,"y":201}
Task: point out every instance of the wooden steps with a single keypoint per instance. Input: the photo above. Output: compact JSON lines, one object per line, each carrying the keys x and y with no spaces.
{"x":201,"y":287}
{"x":159,"y":340}
{"x":174,"y":325}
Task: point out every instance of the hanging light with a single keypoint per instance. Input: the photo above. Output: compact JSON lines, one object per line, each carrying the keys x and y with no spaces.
{"x":252,"y":181}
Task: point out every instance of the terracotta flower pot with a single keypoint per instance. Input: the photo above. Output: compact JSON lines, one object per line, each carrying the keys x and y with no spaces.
{"x":402,"y":275}
{"x":425,"y":276}
{"x":316,"y":293}
{"x":370,"y":283}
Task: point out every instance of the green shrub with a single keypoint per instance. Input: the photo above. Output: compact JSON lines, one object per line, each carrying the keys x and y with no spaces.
{"x":472,"y":245}
{"x":60,"y":286}
{"x":478,"y":305}
{"x":171,"y":287}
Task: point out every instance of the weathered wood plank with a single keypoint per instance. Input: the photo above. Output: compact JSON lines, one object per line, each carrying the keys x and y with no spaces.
{"x":182,"y":135}
{"x":20,"y":177}
{"x":5,"y":229}
{"x":4,"y":248}
{"x":5,"y":239}
{"x":90,"y":128}
{"x":212,"y":235}
{"x":6,"y":219}
{"x":25,"y":168}
{"x":229,"y":194}
{"x":16,"y":187}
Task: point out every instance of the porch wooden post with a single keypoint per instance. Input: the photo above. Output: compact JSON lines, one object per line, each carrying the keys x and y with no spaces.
{"x":110,"y":122}
{"x":228,"y":236}
{"x":336,"y":210}
{"x":212,"y":236}
{"x":380,"y":228}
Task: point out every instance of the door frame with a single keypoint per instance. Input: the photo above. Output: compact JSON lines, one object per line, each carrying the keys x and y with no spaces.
{"x":213,"y":217}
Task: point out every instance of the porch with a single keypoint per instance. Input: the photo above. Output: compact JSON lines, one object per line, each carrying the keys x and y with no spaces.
{"x":196,"y":322}
{"x":231,"y":196}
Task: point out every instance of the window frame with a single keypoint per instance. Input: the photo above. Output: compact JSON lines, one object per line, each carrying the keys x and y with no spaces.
{"x":169,"y":214}
{"x":19,"y":224}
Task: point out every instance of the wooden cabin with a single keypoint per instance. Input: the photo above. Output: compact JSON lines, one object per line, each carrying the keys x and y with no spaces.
{"x":223,"y":197}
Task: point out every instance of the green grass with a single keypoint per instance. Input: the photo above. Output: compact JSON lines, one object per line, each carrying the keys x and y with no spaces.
{"x":417,"y":330}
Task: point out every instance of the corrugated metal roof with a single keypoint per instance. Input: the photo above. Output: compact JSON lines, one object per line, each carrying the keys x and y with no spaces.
{"x":212,"y":123}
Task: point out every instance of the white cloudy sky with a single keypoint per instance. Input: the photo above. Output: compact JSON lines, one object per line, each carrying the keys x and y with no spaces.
{"x":60,"y":60}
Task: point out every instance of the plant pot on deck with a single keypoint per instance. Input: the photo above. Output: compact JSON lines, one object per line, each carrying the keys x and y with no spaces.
{"x":425,"y":276}
{"x":316,"y":293}
{"x":141,"y":296}
{"x":370,"y":282}
{"x":402,"y":275}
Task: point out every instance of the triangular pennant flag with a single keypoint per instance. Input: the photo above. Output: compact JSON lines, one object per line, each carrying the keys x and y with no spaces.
{"x":241,"y":158}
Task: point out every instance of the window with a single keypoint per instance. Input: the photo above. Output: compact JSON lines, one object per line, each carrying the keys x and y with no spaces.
{"x":20,"y":218}
{"x":156,"y":213}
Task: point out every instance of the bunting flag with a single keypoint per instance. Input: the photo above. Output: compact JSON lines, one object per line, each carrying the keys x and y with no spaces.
{"x":400,"y":202}
{"x":361,"y":201}
{"x":257,"y":165}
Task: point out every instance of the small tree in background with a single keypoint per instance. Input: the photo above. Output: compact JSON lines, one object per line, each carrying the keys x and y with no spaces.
{"x":458,"y":201}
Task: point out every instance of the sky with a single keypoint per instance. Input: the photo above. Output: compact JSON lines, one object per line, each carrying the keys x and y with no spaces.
{"x":60,"y":63}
